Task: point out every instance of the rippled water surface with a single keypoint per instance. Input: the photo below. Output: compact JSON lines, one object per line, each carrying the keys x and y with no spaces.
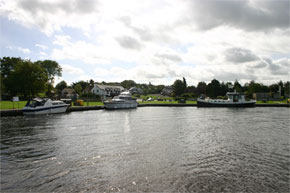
{"x":161,"y":149}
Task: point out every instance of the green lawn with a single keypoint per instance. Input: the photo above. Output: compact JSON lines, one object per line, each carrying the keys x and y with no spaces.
{"x":21,"y":104}
{"x":93,"y":104}
{"x":272,"y":102}
{"x":9,"y":104}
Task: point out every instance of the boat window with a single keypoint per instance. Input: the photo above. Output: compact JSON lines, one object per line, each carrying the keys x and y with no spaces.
{"x":34,"y":103}
{"x":236,"y":98}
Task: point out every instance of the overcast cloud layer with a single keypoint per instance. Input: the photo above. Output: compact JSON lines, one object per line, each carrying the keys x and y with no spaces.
{"x":152,"y":41}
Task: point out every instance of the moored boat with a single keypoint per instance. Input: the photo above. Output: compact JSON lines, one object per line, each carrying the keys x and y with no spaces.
{"x":38,"y":106}
{"x":234,"y":100}
{"x":122,"y":101}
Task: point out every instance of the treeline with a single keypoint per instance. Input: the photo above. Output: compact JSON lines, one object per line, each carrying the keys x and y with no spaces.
{"x":216,"y":89}
{"x":21,"y":77}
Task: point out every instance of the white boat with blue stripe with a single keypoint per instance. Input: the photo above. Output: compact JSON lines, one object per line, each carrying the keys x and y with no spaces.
{"x":38,"y":106}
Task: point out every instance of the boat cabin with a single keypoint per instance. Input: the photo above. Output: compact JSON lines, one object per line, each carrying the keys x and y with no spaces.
{"x":35,"y":102}
{"x":236,"y":97}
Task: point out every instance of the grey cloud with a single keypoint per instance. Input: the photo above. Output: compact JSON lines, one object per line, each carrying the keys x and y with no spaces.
{"x":260,"y":65}
{"x":240,"y":55}
{"x":246,"y":14}
{"x":129,"y":42}
{"x":143,"y":33}
{"x":79,"y":6}
{"x":280,"y":67}
{"x":230,"y":76}
{"x":161,"y":35}
{"x":172,"y":57}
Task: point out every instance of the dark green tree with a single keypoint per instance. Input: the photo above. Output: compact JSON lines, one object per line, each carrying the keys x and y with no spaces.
{"x":238,"y":86}
{"x":52,"y":69}
{"x":27,"y":79}
{"x":7,"y":66}
{"x":78,"y":88}
{"x":60,"y":86}
{"x":83,"y":84}
{"x":178,"y":87}
{"x":213,"y":88}
{"x":201,"y":88}
{"x":128,"y":84}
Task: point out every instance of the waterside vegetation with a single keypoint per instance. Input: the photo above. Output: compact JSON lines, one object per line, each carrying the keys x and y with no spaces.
{"x":28,"y":79}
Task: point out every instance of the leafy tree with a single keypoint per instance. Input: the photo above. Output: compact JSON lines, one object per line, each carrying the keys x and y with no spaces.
{"x":238,"y":86}
{"x":178,"y":87}
{"x":83,"y":84}
{"x":213,"y":88}
{"x":92,"y":82}
{"x":7,"y":67}
{"x":128,"y":84}
{"x":78,"y":88}
{"x":191,"y":89}
{"x":201,"y":88}
{"x":52,"y":69}
{"x":27,"y":79}
{"x":184,"y":83}
{"x":61,"y":85}
{"x":223,"y":89}
{"x":254,"y":87}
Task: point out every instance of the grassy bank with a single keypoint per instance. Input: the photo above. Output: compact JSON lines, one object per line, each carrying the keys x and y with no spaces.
{"x":19,"y":105}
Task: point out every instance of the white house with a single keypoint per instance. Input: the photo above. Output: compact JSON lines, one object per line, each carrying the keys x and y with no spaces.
{"x":107,"y":90}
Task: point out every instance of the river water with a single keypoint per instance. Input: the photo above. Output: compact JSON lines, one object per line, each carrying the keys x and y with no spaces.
{"x":160,"y":149}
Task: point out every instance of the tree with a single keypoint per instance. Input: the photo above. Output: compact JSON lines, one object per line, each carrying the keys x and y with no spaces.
{"x":61,"y":85}
{"x":178,"y":87}
{"x":213,"y":88}
{"x":201,"y":87}
{"x":7,"y":67}
{"x":78,"y":88}
{"x":92,"y":82}
{"x":82,"y":83}
{"x":184,"y":83}
{"x":238,"y":86}
{"x":52,"y":69}
{"x":27,"y":79}
{"x":128,"y":83}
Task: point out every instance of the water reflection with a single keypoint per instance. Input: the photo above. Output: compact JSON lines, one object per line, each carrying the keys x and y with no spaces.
{"x":148,"y":149}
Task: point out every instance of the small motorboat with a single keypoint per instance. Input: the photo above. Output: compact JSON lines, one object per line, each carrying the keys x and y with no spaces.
{"x":122,"y":101}
{"x":38,"y":106}
{"x":234,"y":100}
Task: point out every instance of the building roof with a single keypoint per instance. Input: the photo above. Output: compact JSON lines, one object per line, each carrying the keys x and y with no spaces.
{"x":104,"y":87}
{"x":68,"y":90}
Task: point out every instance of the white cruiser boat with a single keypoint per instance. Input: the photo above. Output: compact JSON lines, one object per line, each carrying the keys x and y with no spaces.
{"x":38,"y":106}
{"x":122,"y":101}
{"x":234,"y":100}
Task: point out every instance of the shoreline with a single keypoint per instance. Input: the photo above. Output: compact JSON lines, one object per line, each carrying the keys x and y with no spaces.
{"x":18,"y":112}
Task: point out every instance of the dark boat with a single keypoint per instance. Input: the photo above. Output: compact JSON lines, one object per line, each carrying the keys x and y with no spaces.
{"x":234,"y":100}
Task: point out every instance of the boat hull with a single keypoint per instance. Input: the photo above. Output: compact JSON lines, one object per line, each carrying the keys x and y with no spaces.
{"x":44,"y":110}
{"x":229,"y":104}
{"x":120,"y":105}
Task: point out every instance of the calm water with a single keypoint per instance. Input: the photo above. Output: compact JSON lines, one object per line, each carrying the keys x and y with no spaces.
{"x":163,"y":149}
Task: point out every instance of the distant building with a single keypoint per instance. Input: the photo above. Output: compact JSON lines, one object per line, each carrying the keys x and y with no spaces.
{"x":135,"y":90}
{"x":69,"y":93}
{"x":107,"y":90}
{"x":260,"y":96}
{"x":168,"y":90}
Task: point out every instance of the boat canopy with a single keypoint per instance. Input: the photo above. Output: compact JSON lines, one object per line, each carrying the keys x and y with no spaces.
{"x":234,"y":93}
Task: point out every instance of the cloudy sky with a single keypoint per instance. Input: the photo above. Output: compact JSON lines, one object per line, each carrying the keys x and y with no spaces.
{"x":154,"y":41}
